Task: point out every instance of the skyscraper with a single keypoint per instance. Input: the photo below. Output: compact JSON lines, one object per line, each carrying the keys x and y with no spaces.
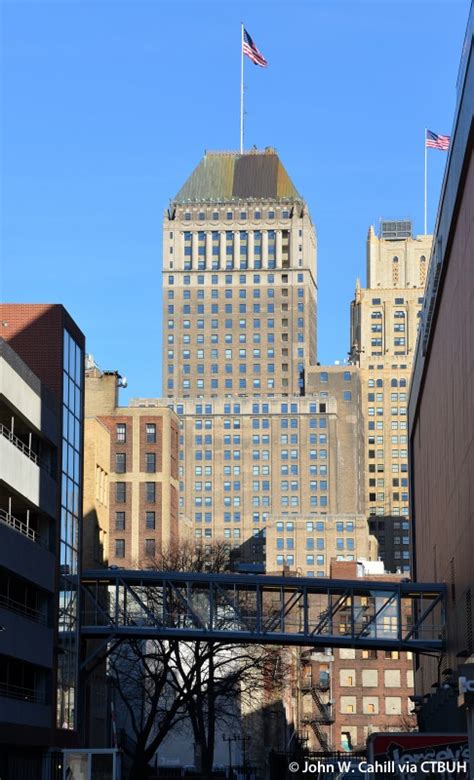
{"x":385,"y":318}
{"x":239,"y":280}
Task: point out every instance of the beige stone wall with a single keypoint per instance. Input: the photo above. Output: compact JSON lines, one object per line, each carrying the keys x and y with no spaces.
{"x":385,"y":318}
{"x":244,"y":460}
{"x":307,"y":544}
{"x":96,"y":506}
{"x":217,"y":289}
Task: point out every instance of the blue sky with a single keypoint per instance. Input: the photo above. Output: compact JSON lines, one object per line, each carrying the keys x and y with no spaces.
{"x":108,"y":106}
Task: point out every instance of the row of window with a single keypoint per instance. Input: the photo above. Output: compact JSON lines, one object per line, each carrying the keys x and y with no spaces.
{"x":121,"y":433}
{"x":243,"y":279}
{"x":228,"y":308}
{"x":229,"y":215}
{"x":121,"y":462}
{"x":149,"y":548}
{"x":120,"y":521}
{"x":121,"y":492}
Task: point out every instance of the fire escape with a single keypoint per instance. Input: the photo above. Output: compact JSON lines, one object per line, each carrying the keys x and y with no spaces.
{"x":321,"y":716}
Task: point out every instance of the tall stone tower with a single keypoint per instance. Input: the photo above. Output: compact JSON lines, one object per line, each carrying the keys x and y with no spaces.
{"x":239,"y":280}
{"x":385,"y":317}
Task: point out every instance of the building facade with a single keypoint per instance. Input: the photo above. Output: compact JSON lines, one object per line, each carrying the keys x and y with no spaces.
{"x":244,"y":461}
{"x":344,"y":695}
{"x":239,"y":280}
{"x":40,"y":531}
{"x":385,"y":318}
{"x":131,"y":476}
{"x":441,"y":415}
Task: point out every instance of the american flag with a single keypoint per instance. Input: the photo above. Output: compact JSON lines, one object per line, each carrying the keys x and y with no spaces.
{"x":435,"y":141}
{"x":249,"y":48}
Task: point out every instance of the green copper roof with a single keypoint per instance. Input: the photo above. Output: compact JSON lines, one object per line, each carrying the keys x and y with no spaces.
{"x":222,"y":176}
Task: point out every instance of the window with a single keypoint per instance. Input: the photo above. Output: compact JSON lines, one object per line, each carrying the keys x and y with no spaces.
{"x":150,"y":492}
{"x":150,"y":548}
{"x":150,"y":520}
{"x":121,"y":433}
{"x":120,"y":521}
{"x":120,"y":548}
{"x":151,"y":433}
{"x":120,"y":463}
{"x":150,"y":462}
{"x":120,"y":492}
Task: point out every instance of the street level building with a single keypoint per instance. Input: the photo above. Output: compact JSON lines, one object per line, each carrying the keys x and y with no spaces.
{"x":344,"y":695}
{"x":385,"y":318}
{"x":131,"y":476}
{"x":41,"y":422}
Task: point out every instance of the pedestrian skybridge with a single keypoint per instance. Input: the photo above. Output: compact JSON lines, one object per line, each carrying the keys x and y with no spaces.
{"x":243,"y":608}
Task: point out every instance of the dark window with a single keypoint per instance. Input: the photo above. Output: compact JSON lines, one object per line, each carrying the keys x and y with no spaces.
{"x":120,"y":462}
{"x":150,"y":548}
{"x":150,"y":521}
{"x":120,"y":548}
{"x":150,"y":492}
{"x":121,"y":432}
{"x":150,"y":462}
{"x":120,"y":521}
{"x":151,"y":433}
{"x":120,"y":492}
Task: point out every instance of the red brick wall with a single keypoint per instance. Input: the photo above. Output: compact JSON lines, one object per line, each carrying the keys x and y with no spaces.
{"x":35,"y":332}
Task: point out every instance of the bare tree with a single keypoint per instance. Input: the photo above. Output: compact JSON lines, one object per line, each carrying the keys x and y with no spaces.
{"x":163,"y":683}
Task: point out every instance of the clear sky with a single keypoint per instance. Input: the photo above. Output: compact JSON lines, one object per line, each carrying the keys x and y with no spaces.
{"x":108,"y":106}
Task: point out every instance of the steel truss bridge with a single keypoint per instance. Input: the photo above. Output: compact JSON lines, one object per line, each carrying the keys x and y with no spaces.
{"x":119,"y":604}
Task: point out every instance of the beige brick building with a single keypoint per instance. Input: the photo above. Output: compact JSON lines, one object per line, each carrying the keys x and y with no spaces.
{"x":243,"y":461}
{"x":308,"y":544}
{"x":239,"y":280}
{"x":130,"y":476}
{"x":385,"y":318}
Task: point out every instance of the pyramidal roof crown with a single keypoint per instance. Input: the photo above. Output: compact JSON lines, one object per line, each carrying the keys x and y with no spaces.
{"x":223,"y":176}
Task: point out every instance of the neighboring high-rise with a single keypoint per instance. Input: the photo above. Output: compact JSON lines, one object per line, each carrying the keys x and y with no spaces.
{"x":239,"y":280}
{"x":42,"y":384}
{"x":385,"y":318}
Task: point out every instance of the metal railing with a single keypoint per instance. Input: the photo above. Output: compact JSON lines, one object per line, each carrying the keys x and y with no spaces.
{"x":24,"y":694}
{"x":22,"y":528}
{"x":22,"y":609}
{"x":31,"y":454}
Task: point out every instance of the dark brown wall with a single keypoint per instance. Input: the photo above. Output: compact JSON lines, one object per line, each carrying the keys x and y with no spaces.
{"x":443,"y":440}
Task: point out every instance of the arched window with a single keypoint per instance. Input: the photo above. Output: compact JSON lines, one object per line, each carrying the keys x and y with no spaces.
{"x":379,"y":382}
{"x":403,"y":382}
{"x":394,"y":383}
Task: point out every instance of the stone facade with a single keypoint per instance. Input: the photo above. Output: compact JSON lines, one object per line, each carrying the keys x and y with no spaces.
{"x":385,"y":318}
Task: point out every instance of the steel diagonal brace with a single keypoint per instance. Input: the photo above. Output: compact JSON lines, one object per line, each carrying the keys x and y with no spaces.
{"x":149,"y":612}
{"x":420,"y":621}
{"x":331,"y":611}
{"x":378,"y":613}
{"x":285,"y":608}
{"x":98,"y":655}
{"x":238,"y":615}
{"x":187,"y":605}
{"x":105,"y":613}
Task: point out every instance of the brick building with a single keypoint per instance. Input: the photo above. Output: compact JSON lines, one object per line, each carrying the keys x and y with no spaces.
{"x":346,"y":694}
{"x":131,"y":476}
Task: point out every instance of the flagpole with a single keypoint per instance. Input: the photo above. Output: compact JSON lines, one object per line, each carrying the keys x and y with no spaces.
{"x":241,"y":88}
{"x":426,"y":187}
